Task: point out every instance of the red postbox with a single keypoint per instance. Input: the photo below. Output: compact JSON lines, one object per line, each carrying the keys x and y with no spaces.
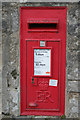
{"x":42,"y":60}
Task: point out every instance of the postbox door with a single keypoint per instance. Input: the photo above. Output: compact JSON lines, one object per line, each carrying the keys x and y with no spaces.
{"x":43,"y":86}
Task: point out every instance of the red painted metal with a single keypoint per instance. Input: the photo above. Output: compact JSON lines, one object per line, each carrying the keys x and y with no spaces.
{"x":47,"y":24}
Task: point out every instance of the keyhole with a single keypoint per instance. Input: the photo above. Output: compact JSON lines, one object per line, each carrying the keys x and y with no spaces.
{"x":32,"y":80}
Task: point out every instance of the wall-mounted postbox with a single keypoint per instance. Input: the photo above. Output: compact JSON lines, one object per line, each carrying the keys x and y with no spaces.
{"x":42,"y":60}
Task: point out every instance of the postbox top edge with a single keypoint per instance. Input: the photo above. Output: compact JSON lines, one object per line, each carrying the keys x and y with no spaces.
{"x":43,"y":7}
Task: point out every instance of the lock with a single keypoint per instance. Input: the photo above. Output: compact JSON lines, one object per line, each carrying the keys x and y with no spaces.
{"x":34,"y":81}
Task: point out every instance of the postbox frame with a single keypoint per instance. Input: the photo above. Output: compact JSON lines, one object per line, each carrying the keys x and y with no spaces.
{"x":23,"y":110}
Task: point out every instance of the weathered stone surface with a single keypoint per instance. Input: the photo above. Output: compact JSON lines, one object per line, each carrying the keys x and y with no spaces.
{"x":73,"y":86}
{"x":10,"y":44}
{"x":33,"y":117}
{"x":15,"y":24}
{"x":0,"y":59}
{"x":0,"y":102}
{"x":24,"y":1}
{"x":14,"y":96}
{"x":15,"y":110}
{"x":73,"y":42}
{"x":72,"y":64}
{"x":73,"y":105}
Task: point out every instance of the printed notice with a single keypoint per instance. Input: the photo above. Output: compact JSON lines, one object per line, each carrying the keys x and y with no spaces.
{"x":42,"y":62}
{"x":53,"y":82}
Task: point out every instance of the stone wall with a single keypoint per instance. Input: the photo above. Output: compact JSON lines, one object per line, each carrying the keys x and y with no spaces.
{"x":11,"y":58}
{"x":10,"y":48}
{"x":0,"y":58}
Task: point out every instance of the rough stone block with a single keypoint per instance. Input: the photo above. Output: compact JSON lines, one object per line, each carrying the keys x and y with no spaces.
{"x":72,"y":64}
{"x":73,"y":42}
{"x":15,"y":20}
{"x":73,"y":86}
{"x":73,"y":105}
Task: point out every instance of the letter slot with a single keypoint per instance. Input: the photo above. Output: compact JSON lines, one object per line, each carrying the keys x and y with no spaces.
{"x":43,"y":25}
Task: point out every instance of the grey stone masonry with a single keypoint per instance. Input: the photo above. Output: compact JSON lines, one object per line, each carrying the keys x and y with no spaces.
{"x":11,"y":58}
{"x":0,"y":58}
{"x":10,"y":46}
{"x":24,"y":1}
